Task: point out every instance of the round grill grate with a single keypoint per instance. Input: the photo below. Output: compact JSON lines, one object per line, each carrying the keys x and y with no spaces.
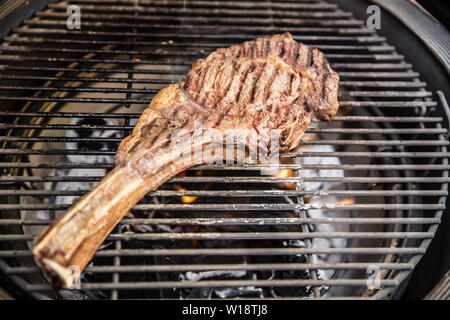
{"x":361,"y":196}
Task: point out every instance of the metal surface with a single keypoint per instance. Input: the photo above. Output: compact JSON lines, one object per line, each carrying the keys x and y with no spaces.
{"x":13,"y":12}
{"x":442,"y":289}
{"x":435,"y":36}
{"x":392,"y":156}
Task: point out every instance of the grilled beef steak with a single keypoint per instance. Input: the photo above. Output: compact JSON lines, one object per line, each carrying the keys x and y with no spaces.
{"x":262,"y":86}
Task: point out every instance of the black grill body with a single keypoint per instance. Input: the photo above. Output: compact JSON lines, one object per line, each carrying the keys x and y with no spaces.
{"x":70,"y":96}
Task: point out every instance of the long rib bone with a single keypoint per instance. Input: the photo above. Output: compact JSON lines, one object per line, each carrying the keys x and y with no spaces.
{"x":70,"y":242}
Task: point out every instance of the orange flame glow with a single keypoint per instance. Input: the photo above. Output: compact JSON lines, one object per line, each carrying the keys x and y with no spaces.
{"x":185,"y":199}
{"x":285,"y":173}
{"x":346,"y":201}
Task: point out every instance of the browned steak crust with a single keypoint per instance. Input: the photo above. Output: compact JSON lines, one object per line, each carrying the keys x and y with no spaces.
{"x":263,"y":84}
{"x":249,"y":74}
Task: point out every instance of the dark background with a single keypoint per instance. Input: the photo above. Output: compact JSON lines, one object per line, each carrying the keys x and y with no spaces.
{"x":440,"y":9}
{"x":439,"y":251}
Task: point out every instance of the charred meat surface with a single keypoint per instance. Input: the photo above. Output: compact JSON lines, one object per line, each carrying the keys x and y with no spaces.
{"x":261,"y":86}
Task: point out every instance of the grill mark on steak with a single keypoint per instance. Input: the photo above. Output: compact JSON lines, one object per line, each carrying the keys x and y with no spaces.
{"x":258,"y":95}
{"x":200,"y":82}
{"x":252,"y":86}
{"x":287,"y":52}
{"x":170,"y":135}
{"x":289,"y":88}
{"x":276,"y":89}
{"x":150,"y":133}
{"x":175,"y":113}
{"x":252,"y":51}
{"x":195,"y":78}
{"x":246,"y":93}
{"x":310,"y":57}
{"x":243,"y":81}
{"x":210,"y":99}
{"x":278,"y":47}
{"x":274,"y":47}
{"x":208,"y":82}
{"x":226,"y":105}
{"x":163,"y":139}
{"x":259,"y":47}
{"x":266,"y":47}
{"x":317,"y":60}
{"x":302,"y":53}
{"x":296,"y":54}
{"x":268,"y":87}
{"x":191,"y":79}
{"x":282,"y":51}
{"x":218,"y":121}
{"x":230,"y":82}
{"x":318,"y":63}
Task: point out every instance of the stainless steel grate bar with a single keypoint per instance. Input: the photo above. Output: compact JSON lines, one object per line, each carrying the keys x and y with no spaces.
{"x":211,"y":267}
{"x":242,"y":193}
{"x":221,"y":4}
{"x":247,"y":236}
{"x":219,"y":284}
{"x":237,"y":251}
{"x":241,"y":207}
{"x":200,"y":27}
{"x":211,"y":45}
{"x":196,"y":36}
{"x":249,"y":221}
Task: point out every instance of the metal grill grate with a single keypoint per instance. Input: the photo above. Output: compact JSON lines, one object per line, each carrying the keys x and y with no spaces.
{"x":70,"y":96}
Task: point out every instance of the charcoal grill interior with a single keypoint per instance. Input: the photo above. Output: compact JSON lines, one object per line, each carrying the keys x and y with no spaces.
{"x":367,"y":190}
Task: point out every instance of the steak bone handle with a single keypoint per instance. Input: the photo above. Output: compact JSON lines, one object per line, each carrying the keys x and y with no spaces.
{"x":65,"y":247}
